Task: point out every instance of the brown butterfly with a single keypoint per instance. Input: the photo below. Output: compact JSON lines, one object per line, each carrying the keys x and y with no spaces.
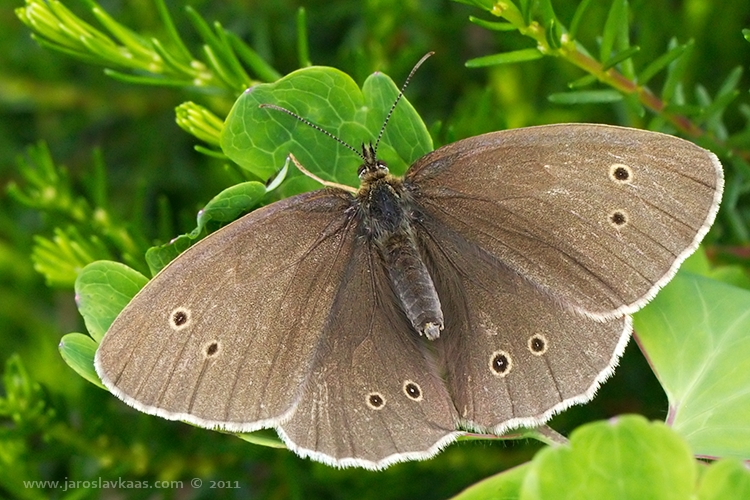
{"x":487,"y":289}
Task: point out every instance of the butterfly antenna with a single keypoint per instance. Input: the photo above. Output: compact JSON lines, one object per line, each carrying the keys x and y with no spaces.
{"x":400,"y":95}
{"x":311,"y":124}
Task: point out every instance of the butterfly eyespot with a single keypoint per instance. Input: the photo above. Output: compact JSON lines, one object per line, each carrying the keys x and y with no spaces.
{"x":179,"y":318}
{"x":620,"y":173}
{"x":618,"y":219}
{"x":538,"y":344}
{"x":500,"y":363}
{"x":375,"y":400}
{"x":212,"y":349}
{"x":412,"y":390}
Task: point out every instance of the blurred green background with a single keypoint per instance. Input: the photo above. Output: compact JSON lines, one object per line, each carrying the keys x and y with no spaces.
{"x":70,"y":429}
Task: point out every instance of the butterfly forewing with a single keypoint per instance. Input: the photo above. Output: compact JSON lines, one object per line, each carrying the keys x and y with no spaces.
{"x":598,"y":217}
{"x":235,"y":350}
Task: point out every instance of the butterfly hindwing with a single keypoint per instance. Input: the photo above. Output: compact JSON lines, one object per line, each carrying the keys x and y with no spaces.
{"x":374,"y":395}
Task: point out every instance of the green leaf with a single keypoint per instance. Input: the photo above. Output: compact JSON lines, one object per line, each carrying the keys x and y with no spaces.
{"x":577,"y":16}
{"x":547,"y":13}
{"x":78,"y":351}
{"x":553,"y":34}
{"x":223,"y":208}
{"x":613,"y":26}
{"x":625,"y":459}
{"x":728,"y":478}
{"x":303,"y":48}
{"x":695,"y":335}
{"x":621,"y":56}
{"x":660,"y":63}
{"x":199,"y":121}
{"x":263,"y":437}
{"x":584,"y":81}
{"x":22,"y":401}
{"x":487,"y":5}
{"x":525,"y":8}
{"x":516,"y":56}
{"x":148,"y":80}
{"x":585,"y":97}
{"x":260,"y":139}
{"x":260,"y":67}
{"x":181,"y":51}
{"x":735,"y":275}
{"x":490,"y":25}
{"x":103,"y":289}
{"x":60,"y":259}
{"x":675,"y":74}
{"x":731,"y":82}
{"x":503,"y":486}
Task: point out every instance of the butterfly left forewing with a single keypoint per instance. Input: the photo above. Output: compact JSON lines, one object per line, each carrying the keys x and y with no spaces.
{"x":224,"y":335}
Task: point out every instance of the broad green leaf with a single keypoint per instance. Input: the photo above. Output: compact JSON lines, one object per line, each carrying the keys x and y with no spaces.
{"x":503,"y":486}
{"x":727,"y":478}
{"x":103,"y":289}
{"x":260,"y":139}
{"x":222,"y":209}
{"x":696,"y":335}
{"x":78,"y":351}
{"x":624,"y":459}
{"x":734,"y":275}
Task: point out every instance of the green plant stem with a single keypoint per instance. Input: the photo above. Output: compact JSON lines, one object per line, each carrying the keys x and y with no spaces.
{"x":569,"y":51}
{"x":618,"y":81}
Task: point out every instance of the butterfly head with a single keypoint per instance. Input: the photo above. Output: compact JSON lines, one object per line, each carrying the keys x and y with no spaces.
{"x":372,"y":168}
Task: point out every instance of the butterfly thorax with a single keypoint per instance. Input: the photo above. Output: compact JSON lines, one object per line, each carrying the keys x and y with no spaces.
{"x":386,"y":218}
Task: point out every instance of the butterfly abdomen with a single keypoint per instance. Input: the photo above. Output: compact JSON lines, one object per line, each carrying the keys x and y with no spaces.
{"x":386,"y":220}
